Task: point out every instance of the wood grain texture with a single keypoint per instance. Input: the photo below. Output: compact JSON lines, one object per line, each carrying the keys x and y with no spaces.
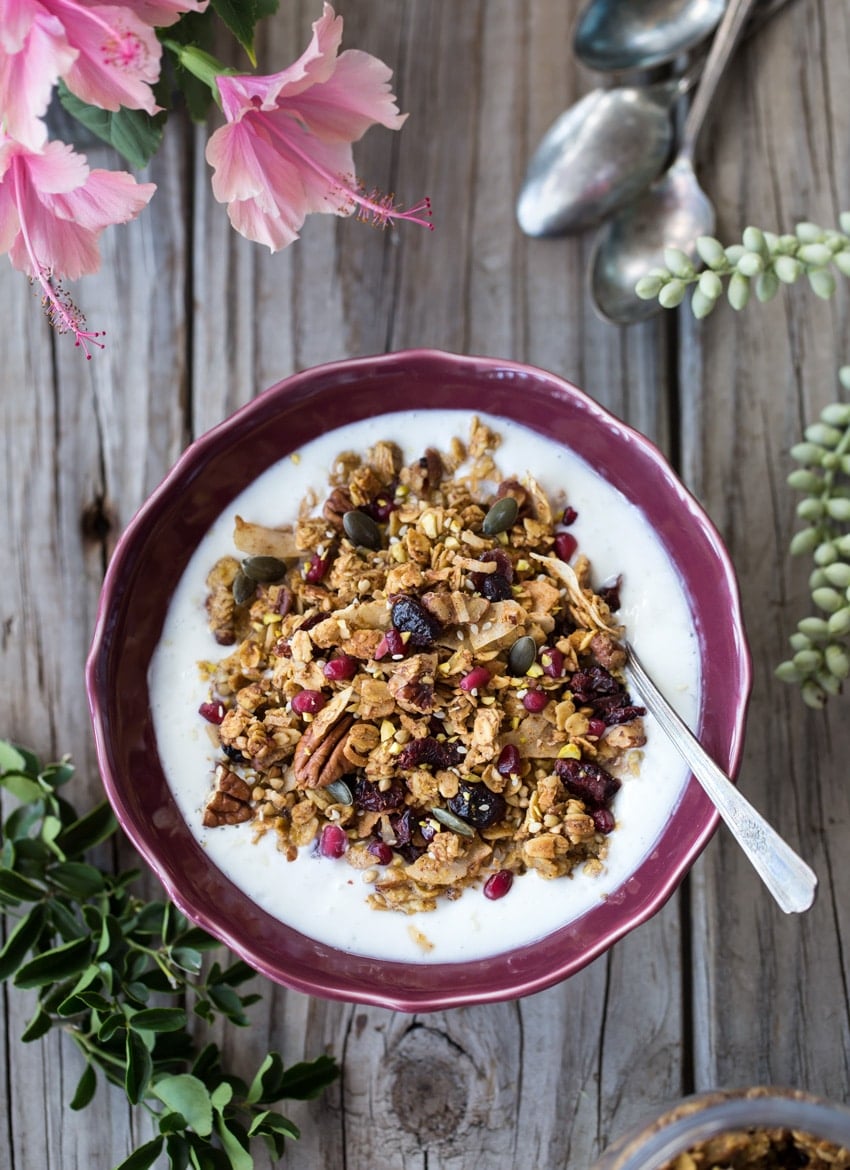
{"x":719,"y":987}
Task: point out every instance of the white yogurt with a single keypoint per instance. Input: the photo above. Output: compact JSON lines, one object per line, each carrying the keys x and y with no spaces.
{"x":326,"y":899}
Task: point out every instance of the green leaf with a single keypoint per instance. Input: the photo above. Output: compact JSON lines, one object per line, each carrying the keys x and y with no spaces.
{"x":85,"y":1090}
{"x":177,"y":1149}
{"x":21,"y":940}
{"x":144,"y":1157}
{"x":241,"y":18}
{"x":222,"y":1096}
{"x":267,"y":1080}
{"x":187,"y":959}
{"x":51,"y":827}
{"x":239,"y":1157}
{"x":158,"y":1019}
{"x":57,"y":963}
{"x":269,"y":1122}
{"x":112,"y":1024}
{"x":96,"y":826}
{"x":171,"y":1122}
{"x":58,"y":774}
{"x":22,"y":787}
{"x":139,"y":1067}
{"x":185,"y":1094}
{"x":39,"y":1026}
{"x":133,"y":133}
{"x":198,"y":940}
{"x":78,"y":879}
{"x":15,"y":885}
{"x":307,"y":1079}
{"x":11,"y":760}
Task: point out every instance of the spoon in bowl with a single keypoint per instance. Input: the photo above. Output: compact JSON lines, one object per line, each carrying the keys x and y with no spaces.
{"x":674,"y":211}
{"x":789,"y":879}
{"x":617,"y":35}
{"x":605,"y":150}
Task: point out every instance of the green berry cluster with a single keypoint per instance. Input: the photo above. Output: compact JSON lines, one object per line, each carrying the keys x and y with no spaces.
{"x":761,"y":263}
{"x":820,"y":662}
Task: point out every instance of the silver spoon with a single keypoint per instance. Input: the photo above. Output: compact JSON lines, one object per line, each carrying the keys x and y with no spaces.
{"x":616,"y":35}
{"x":791,"y":882}
{"x":673,"y":211}
{"x":602,"y":152}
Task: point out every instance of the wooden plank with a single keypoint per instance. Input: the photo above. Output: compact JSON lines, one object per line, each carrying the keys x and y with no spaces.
{"x":770,"y":993}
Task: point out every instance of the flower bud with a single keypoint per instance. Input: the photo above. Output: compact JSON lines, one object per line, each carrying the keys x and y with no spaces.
{"x":701,"y":305}
{"x":839,"y":622}
{"x":787,"y":672}
{"x":815,"y":254}
{"x":809,"y":233}
{"x":838,"y":574}
{"x":813,"y":695}
{"x":822,"y":284}
{"x":814,"y":627}
{"x":807,"y":660}
{"x":837,"y":660}
{"x":672,"y":294}
{"x":679,"y":263}
{"x":810,"y":453}
{"x":838,"y":509}
{"x":837,"y":414}
{"x":648,"y":287}
{"x":823,"y":435}
{"x":751,"y":264}
{"x":828,"y":599}
{"x":767,"y":286}
{"x":754,"y":241}
{"x":711,"y":252}
{"x":803,"y":480}
{"x":787,"y":268}
{"x":738,"y":292}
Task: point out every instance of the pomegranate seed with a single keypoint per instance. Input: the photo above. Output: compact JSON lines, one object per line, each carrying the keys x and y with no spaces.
{"x":212,"y":712}
{"x":308,"y":702}
{"x":382,"y":853}
{"x":595,"y":727}
{"x":565,"y":545}
{"x":391,"y":644}
{"x":534,"y":701}
{"x":478,"y":677}
{"x":498,"y":884}
{"x":508,"y":760}
{"x":340,"y":669}
{"x":316,"y":569}
{"x":552,"y":661}
{"x":333,"y":841}
{"x":603,"y":820}
{"x":570,"y":516}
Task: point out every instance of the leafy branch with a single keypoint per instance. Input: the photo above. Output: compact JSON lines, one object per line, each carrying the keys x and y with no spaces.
{"x":762,"y":262}
{"x":121,"y":976}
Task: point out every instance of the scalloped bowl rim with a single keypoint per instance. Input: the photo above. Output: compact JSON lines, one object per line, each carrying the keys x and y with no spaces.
{"x":165,"y":842}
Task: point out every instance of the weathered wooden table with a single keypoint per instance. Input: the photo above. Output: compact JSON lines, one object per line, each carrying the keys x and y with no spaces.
{"x":720,"y":988}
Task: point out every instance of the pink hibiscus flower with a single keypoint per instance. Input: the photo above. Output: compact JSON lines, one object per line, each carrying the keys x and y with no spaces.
{"x":286,"y":148}
{"x":105,"y":53}
{"x":162,"y":13}
{"x":52,"y":211}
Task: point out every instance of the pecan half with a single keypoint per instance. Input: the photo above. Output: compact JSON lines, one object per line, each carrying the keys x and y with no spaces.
{"x":320,"y":758}
{"x":230,"y":804}
{"x":335,"y":507}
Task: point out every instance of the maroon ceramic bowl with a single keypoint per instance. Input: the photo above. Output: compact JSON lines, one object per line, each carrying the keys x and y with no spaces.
{"x":156,"y":548}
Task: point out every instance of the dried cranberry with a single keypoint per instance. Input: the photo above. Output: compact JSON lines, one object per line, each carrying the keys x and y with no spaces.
{"x":308,"y":702}
{"x":565,"y":545}
{"x":610,"y":594}
{"x":403,"y":826}
{"x":603,"y":820}
{"x":369,"y":796}
{"x":597,"y":688}
{"x":509,"y":760}
{"x":504,"y":567}
{"x":428,"y":750}
{"x":382,"y":853}
{"x":495,"y":587}
{"x":312,"y":619}
{"x":478,"y":677}
{"x":552,"y":661}
{"x":213,"y":712}
{"x":316,"y":568}
{"x":341,"y":669}
{"x":595,"y":727}
{"x":477,"y":805}
{"x":410,"y":616}
{"x":382,"y":505}
{"x":333,"y":841}
{"x":587,"y":781}
{"x":498,"y":884}
{"x":534,"y":701}
{"x":570,"y":516}
{"x":391,"y":645}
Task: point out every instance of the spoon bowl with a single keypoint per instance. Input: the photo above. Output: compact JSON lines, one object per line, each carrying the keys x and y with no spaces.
{"x":673,"y":212}
{"x":599,"y":155}
{"x":617,"y":35}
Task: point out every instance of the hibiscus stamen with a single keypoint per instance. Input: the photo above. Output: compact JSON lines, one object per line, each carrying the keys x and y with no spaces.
{"x":60,"y":310}
{"x":64,"y":315}
{"x":375,"y":208}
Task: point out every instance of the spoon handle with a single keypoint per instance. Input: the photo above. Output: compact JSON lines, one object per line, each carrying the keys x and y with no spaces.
{"x":791,"y":882}
{"x":723,"y":46}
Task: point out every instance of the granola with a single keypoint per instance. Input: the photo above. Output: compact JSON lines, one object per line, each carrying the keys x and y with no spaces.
{"x":422,"y":679}
{"x":762,"y":1149}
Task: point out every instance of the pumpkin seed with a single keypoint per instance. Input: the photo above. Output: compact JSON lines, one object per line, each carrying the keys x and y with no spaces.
{"x":243,"y":588}
{"x":452,"y":822}
{"x":522,"y":655}
{"x":501,"y":516}
{"x":361,"y":529}
{"x":264,"y":568}
{"x":340,"y":792}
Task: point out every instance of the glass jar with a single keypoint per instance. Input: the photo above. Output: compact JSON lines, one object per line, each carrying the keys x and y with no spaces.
{"x":693,"y":1120}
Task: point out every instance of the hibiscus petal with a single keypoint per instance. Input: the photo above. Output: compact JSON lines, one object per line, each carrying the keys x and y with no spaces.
{"x":107,"y":197}
{"x":56,"y":169}
{"x":356,"y":97}
{"x":119,"y":56}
